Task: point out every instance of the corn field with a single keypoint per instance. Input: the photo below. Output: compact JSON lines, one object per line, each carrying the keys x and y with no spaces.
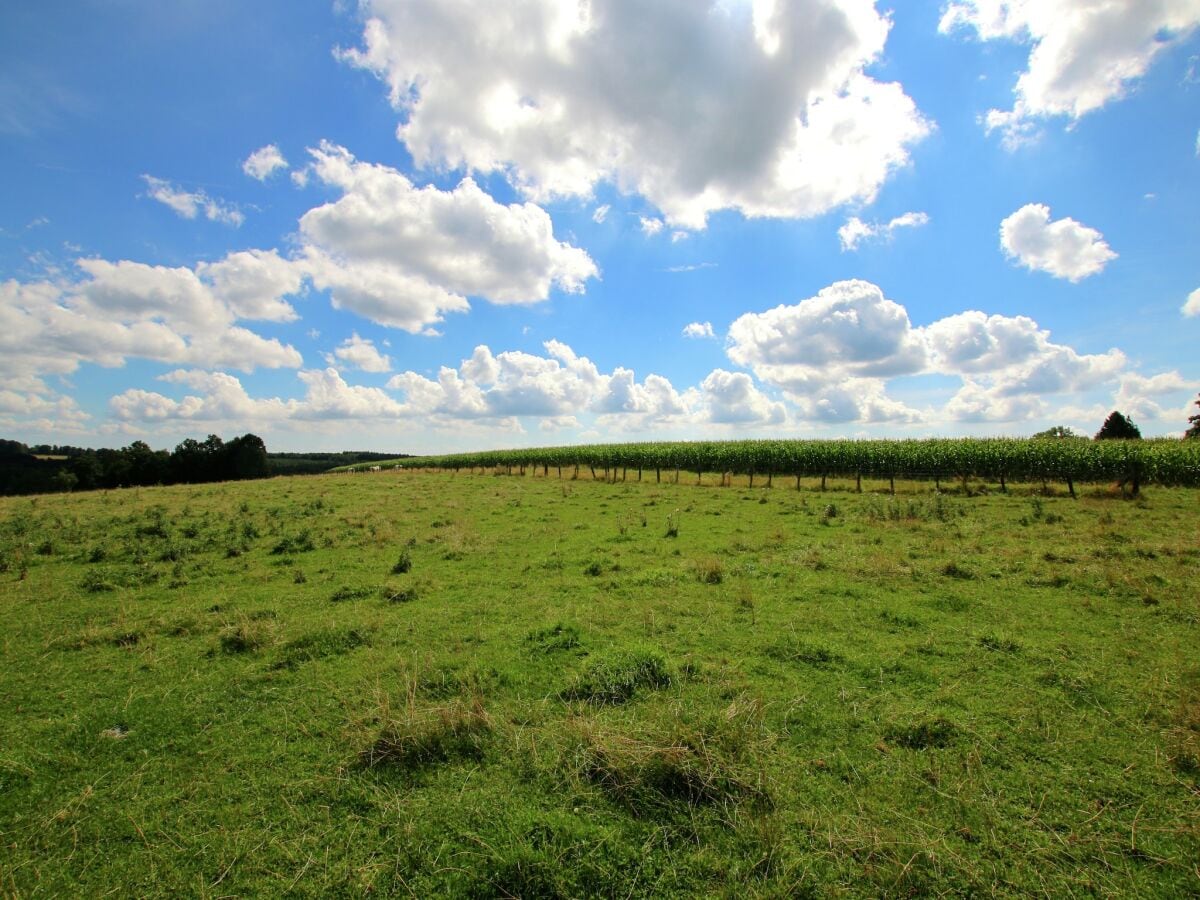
{"x":1001,"y":460}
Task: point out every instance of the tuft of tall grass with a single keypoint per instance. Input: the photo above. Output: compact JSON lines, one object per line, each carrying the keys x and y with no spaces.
{"x":713,"y":761}
{"x":419,"y":738}
{"x":614,"y":677}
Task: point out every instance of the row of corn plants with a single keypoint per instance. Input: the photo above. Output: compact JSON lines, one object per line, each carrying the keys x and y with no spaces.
{"x":1069,"y":461}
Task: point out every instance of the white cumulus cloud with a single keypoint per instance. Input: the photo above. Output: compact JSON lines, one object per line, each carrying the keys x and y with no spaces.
{"x":1063,"y":248}
{"x":404,"y":256}
{"x":264,"y":162}
{"x":835,"y":354}
{"x":560,"y":96}
{"x":698,"y":330}
{"x":1191,"y":306}
{"x":361,"y":353}
{"x":118,"y":310}
{"x":1083,"y":53}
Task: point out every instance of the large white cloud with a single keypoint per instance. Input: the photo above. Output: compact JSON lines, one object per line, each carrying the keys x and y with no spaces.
{"x":1084,"y":53}
{"x":733,"y":399}
{"x":560,"y":95}
{"x":222,"y":398}
{"x":28,"y":404}
{"x":563,"y":385}
{"x":253,"y":284}
{"x":1144,"y":397}
{"x":849,"y":330}
{"x":1064,"y":248}
{"x":404,"y":256}
{"x":127,"y":309}
{"x":834,"y":355}
{"x":1015,"y":355}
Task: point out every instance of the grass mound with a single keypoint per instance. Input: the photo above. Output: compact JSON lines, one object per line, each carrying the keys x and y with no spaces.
{"x":551,"y":640}
{"x":422,"y":738}
{"x":319,"y":645}
{"x":710,"y":762}
{"x":616,"y":676}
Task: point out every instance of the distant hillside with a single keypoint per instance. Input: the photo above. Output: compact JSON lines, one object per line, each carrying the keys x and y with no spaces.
{"x":314,"y":463}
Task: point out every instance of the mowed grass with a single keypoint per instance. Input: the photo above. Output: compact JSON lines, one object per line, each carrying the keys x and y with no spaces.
{"x":423,"y":684}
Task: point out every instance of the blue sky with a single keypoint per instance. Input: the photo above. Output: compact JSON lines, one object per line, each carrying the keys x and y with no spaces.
{"x":418,"y":225}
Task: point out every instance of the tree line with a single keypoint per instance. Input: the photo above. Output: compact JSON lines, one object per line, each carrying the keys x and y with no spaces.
{"x":47,"y":468}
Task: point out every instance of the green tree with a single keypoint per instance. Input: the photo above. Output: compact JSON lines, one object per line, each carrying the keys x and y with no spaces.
{"x":1058,"y":432}
{"x":1194,"y":422}
{"x":246,"y":457}
{"x":1118,"y":427}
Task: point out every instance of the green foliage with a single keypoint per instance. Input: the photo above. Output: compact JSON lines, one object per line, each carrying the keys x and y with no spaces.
{"x":295,"y":543}
{"x":403,"y":564}
{"x":1118,"y":427}
{"x":1161,"y":461}
{"x":1193,"y":424}
{"x":1057,"y":433}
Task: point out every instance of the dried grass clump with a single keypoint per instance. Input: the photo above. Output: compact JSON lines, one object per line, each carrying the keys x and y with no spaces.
{"x":712,"y":762}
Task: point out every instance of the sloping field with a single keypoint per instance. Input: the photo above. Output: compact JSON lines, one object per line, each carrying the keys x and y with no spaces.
{"x":417,"y":683}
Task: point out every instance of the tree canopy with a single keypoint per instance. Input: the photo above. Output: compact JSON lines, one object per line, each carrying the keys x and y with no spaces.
{"x":1118,"y":427}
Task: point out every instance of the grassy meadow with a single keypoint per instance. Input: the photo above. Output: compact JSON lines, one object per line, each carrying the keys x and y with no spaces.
{"x":417,"y":683}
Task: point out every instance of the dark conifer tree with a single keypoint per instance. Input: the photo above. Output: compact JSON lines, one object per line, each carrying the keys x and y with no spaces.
{"x":1118,"y":427}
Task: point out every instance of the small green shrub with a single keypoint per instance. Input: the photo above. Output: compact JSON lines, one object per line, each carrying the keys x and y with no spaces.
{"x":673,"y":525}
{"x":299,"y":543}
{"x":406,"y":594}
{"x":95,"y":583}
{"x":403,"y":564}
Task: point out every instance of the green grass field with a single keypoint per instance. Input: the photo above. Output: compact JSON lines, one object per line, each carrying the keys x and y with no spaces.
{"x":422,"y":684}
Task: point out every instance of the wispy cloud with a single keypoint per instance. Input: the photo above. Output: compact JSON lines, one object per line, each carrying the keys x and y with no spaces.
{"x":189,"y":204}
{"x":693,"y":267}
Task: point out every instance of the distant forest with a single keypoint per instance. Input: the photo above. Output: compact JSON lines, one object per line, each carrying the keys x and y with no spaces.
{"x":49,"y":468}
